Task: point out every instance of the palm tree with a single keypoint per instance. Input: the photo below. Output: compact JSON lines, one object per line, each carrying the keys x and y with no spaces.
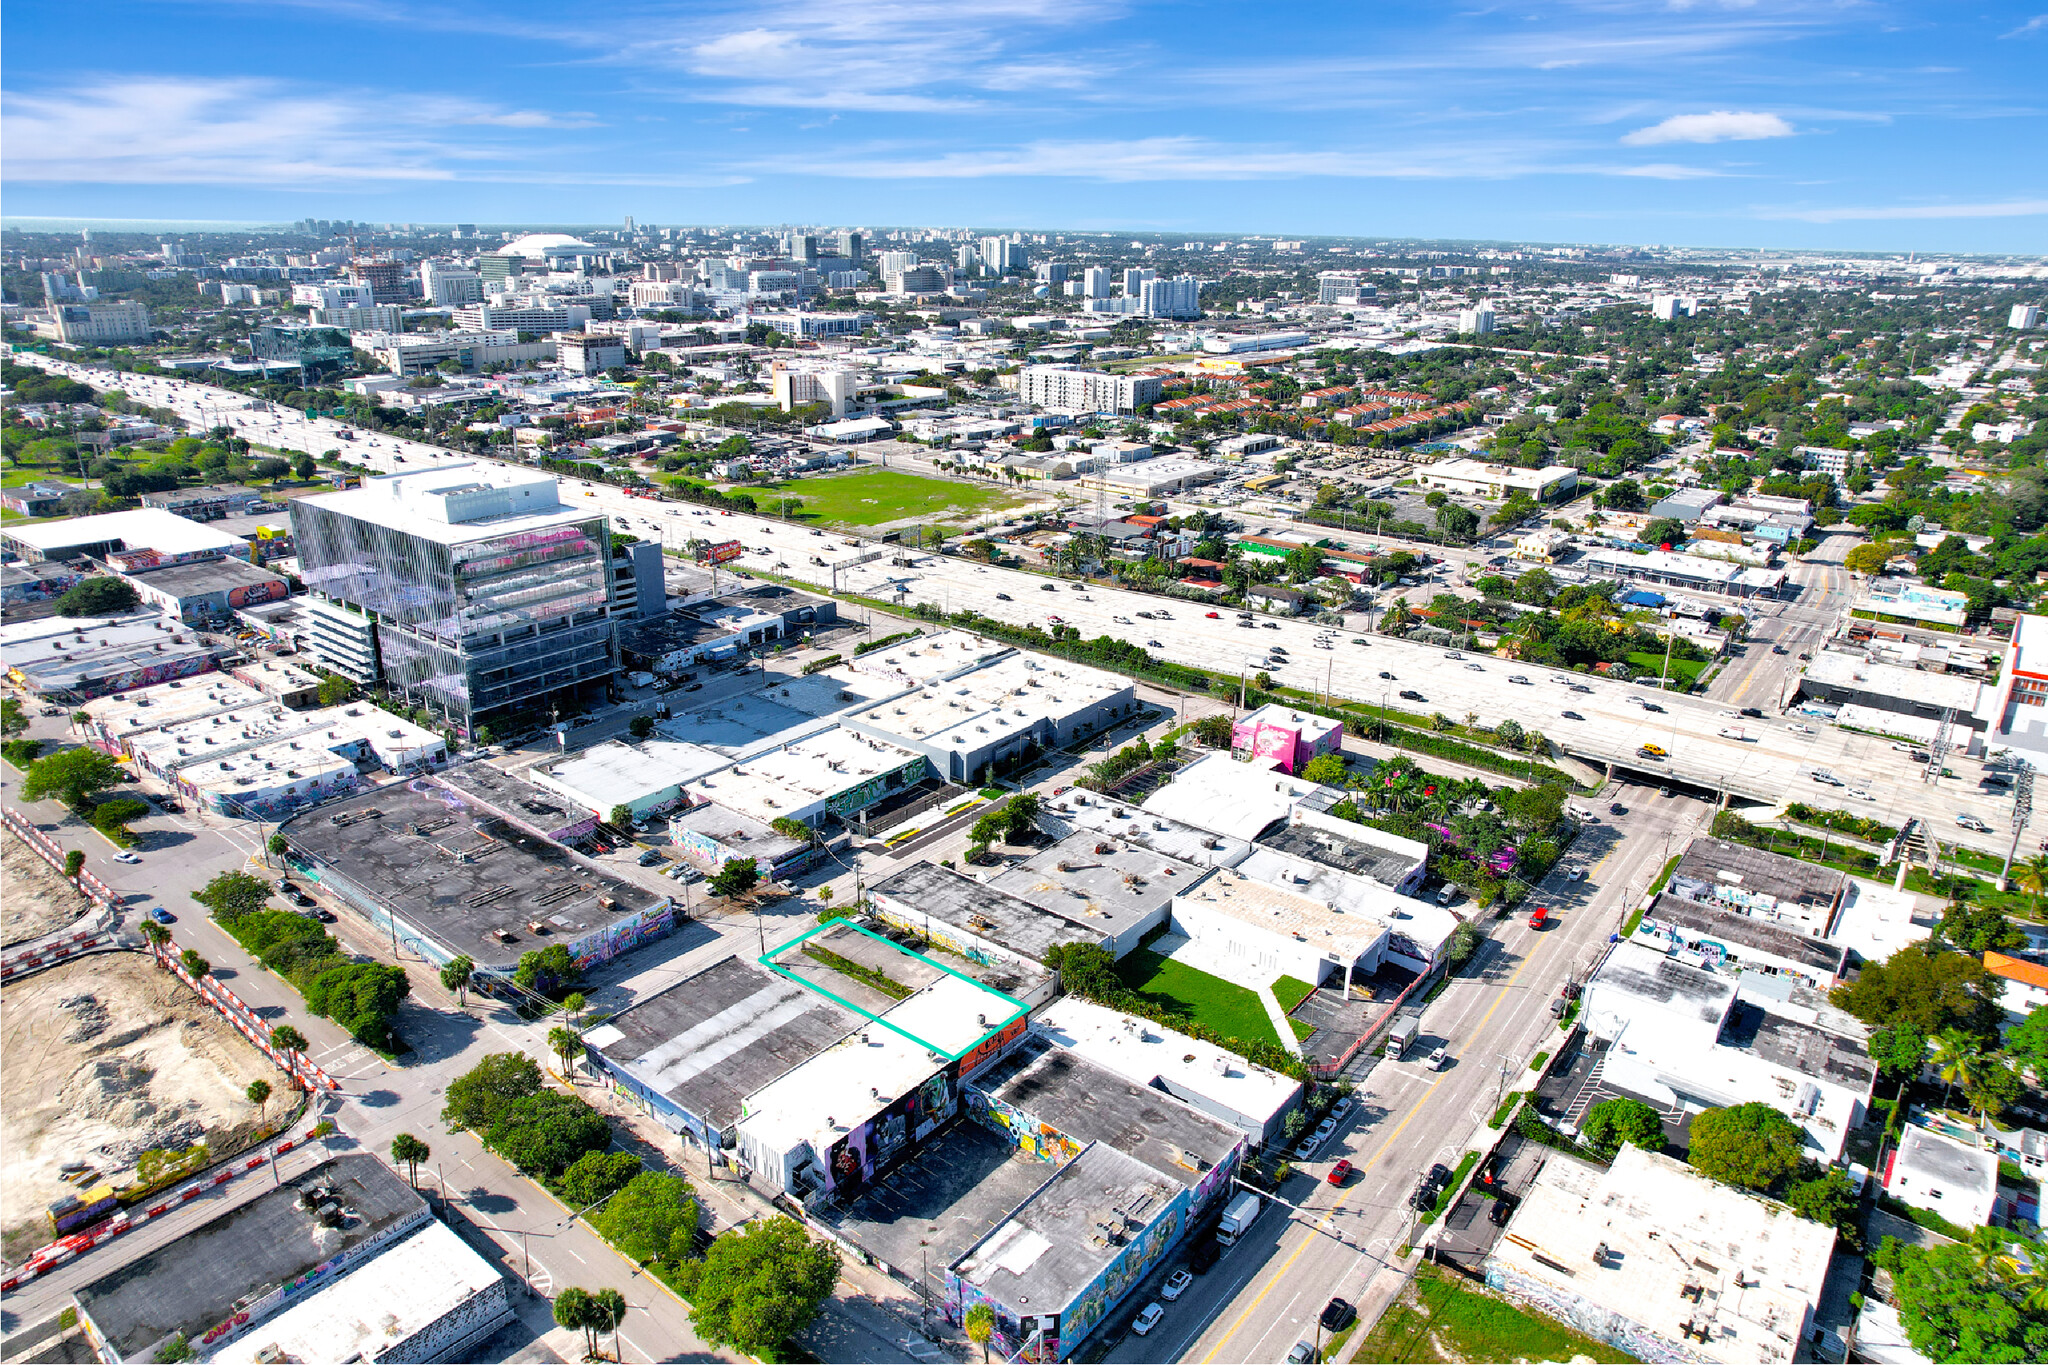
{"x":565,"y":1043}
{"x":1959,"y":1058}
{"x":156,"y":936}
{"x":2032,"y":877}
{"x":292,"y":1044}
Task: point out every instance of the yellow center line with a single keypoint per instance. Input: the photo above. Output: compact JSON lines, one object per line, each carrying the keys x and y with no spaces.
{"x":1392,"y":1138}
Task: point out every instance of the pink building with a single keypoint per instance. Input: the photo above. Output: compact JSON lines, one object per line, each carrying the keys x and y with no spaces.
{"x":1285,"y":736}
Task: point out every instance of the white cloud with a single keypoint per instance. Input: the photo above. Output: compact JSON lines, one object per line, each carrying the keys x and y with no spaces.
{"x":1719,"y":126}
{"x":2010,"y":208}
{"x":2037,"y":24}
{"x":1662,"y":170}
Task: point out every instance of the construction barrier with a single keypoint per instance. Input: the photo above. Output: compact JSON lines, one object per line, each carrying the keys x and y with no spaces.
{"x":47,"y":848}
{"x":246,"y":1022}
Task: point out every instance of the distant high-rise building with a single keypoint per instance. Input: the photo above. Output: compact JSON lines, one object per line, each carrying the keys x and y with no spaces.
{"x":629,"y":225}
{"x":1671,"y":307}
{"x":2025,"y":317}
{"x":1478,"y":319}
{"x":1001,"y":255}
{"x":803,"y":247}
{"x":1134,"y":279}
{"x":852,"y":245}
{"x":465,"y":230}
{"x":896,"y":262}
{"x":1052,"y":272}
{"x":1095,"y":283}
{"x":966,"y":258}
{"x":98,"y":324}
{"x":387,"y":280}
{"x":1180,"y":297}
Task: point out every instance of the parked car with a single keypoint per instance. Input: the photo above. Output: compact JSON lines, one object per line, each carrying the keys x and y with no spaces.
{"x":1176,"y":1284}
{"x":1337,"y":1314}
{"x":1148,"y":1318}
{"x":1304,"y":1353}
{"x":1438,"y":1058}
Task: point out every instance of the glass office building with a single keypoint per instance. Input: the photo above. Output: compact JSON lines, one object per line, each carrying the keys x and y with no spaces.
{"x":314,"y":349}
{"x":483,"y":594}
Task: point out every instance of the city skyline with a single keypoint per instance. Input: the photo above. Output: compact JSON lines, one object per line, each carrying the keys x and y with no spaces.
{"x":1855,"y":127}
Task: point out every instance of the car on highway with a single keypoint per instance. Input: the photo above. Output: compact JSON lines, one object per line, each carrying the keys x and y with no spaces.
{"x":1409,"y":694}
{"x":1047,"y":587}
{"x":1386,"y":675}
{"x":1651,"y":751}
{"x":1969,"y":821}
{"x":1270,"y":625}
{"x":163,"y":916}
{"x":1860,"y":794}
{"x":1475,"y":668}
{"x":126,"y":857}
{"x":1176,"y":1284}
{"x":1148,"y":1318}
{"x":1580,"y":687}
{"x":1752,"y":713}
{"x":1213,"y":615}
{"x":1452,"y":654}
{"x":1518,"y":678}
{"x":693,"y":687}
{"x":1360,"y":640}
{"x":1002,"y":597}
{"x":1827,"y":779}
{"x":1340,"y":1172}
{"x":1539,"y":917}
{"x":1571,"y":715}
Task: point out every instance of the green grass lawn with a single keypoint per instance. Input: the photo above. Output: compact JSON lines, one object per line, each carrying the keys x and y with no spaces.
{"x":17,"y":476}
{"x":1652,"y":666}
{"x":1290,"y":991}
{"x":1441,"y":1316}
{"x":875,"y":496}
{"x":1230,"y":1009}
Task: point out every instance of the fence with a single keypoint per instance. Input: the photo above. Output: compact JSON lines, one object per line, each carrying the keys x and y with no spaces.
{"x":48,"y":951}
{"x":247,"y":1023}
{"x":1373,"y":1032}
{"x":47,"y":849}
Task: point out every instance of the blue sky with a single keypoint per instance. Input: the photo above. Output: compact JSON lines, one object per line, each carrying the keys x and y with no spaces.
{"x":1857,"y":124}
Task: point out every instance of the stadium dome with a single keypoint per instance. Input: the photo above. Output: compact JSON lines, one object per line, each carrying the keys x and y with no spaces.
{"x":543,"y":245}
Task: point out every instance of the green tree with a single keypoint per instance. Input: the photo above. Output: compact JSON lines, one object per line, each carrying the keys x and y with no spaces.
{"x":456,"y":975}
{"x":408,"y":1151}
{"x":71,"y":775}
{"x":1976,"y":929}
{"x":278,"y":846}
{"x":74,"y":863}
{"x":111,"y":817}
{"x":258,"y":1094}
{"x":304,"y":467}
{"x":232,"y":895}
{"x":980,"y":1325}
{"x":596,"y":1176}
{"x":99,"y":597}
{"x":362,"y":997}
{"x":1929,"y":987}
{"x":175,"y":1350}
{"x":13,"y":716}
{"x":1327,"y":769}
{"x":1977,"y":1300}
{"x":1612,"y":1122}
{"x":565,"y":1043}
{"x":156,"y":936}
{"x":1824,"y":1196}
{"x":1752,"y":1146}
{"x":1020,"y":816}
{"x":737,"y":877}
{"x":544,"y":971}
{"x":544,"y":1133}
{"x":607,"y":1311}
{"x":2031,"y":876}
{"x":621,"y":817}
{"x":195,"y":966}
{"x":335,"y":690}
{"x":652,"y":1217}
{"x":758,"y":1287}
{"x":480,"y":1096}
{"x":1867,"y":558}
{"x":292,"y":1044}
{"x":575,"y":1312}
{"x":640,"y":727}
{"x":1899,"y":1050}
{"x":2027,"y":1042}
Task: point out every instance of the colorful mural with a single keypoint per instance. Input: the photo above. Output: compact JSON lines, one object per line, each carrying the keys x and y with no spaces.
{"x":871,"y":1148}
{"x":1037,"y":1140}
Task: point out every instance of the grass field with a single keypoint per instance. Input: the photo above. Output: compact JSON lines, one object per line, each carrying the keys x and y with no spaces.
{"x":1230,"y":1009}
{"x":876,"y":496}
{"x":1290,"y":991}
{"x":1441,"y":1316}
{"x":1648,"y":665}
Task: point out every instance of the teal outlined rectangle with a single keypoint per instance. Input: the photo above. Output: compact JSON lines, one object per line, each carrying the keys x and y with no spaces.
{"x":1018,"y":1008}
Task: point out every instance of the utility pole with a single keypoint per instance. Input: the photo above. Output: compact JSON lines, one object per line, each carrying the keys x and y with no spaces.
{"x":2022,"y":812}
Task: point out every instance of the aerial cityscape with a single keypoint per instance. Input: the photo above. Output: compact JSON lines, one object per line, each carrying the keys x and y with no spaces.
{"x":757,"y":683}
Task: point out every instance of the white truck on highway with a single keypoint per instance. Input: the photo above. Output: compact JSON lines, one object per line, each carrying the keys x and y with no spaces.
{"x":1242,"y":1213}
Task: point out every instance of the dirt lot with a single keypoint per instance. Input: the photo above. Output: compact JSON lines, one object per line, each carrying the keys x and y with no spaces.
{"x":39,"y":899}
{"x":101,"y":1059}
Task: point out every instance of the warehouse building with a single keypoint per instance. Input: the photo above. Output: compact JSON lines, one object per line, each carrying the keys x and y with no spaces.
{"x":343,"y":1261}
{"x":982,"y":924}
{"x":437,"y":869}
{"x":68,"y":662}
{"x":1478,"y":479}
{"x":146,"y":536}
{"x":208,"y":590}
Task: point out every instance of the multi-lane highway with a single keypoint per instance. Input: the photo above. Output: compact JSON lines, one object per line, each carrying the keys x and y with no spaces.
{"x":1770,"y":760}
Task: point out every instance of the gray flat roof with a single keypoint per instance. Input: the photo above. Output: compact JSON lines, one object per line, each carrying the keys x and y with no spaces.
{"x":1711,"y":921}
{"x":1760,"y":873}
{"x":1669,"y":982}
{"x":1096,"y":882}
{"x":1341,"y":851}
{"x":206,"y":575}
{"x":518,"y":800}
{"x":984,"y":911}
{"x":193,"y":1283}
{"x":1797,"y":1046}
{"x":1051,"y":1248}
{"x":713,"y":1039}
{"x":459,"y":871}
{"x":1089,"y":1104}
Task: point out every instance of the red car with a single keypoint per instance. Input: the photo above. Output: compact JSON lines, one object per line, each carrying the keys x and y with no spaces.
{"x":1340,"y":1172}
{"x":1539,"y":917}
{"x":1214,"y":615}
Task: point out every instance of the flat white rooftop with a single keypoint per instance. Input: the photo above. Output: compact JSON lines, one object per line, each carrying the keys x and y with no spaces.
{"x":800,"y":777}
{"x":154,"y":708}
{"x":1330,"y":928}
{"x":1239,"y":800}
{"x":645,"y":773}
{"x":396,"y":1294}
{"x":143,"y":528}
{"x":454,"y":503}
{"x":1656,"y":1243}
{"x":1142,"y":1052}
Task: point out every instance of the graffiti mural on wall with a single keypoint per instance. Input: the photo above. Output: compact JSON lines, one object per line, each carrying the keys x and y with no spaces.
{"x":874,"y":1146}
{"x":250,"y":594}
{"x":1034,"y":1138}
{"x":875,"y":788}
